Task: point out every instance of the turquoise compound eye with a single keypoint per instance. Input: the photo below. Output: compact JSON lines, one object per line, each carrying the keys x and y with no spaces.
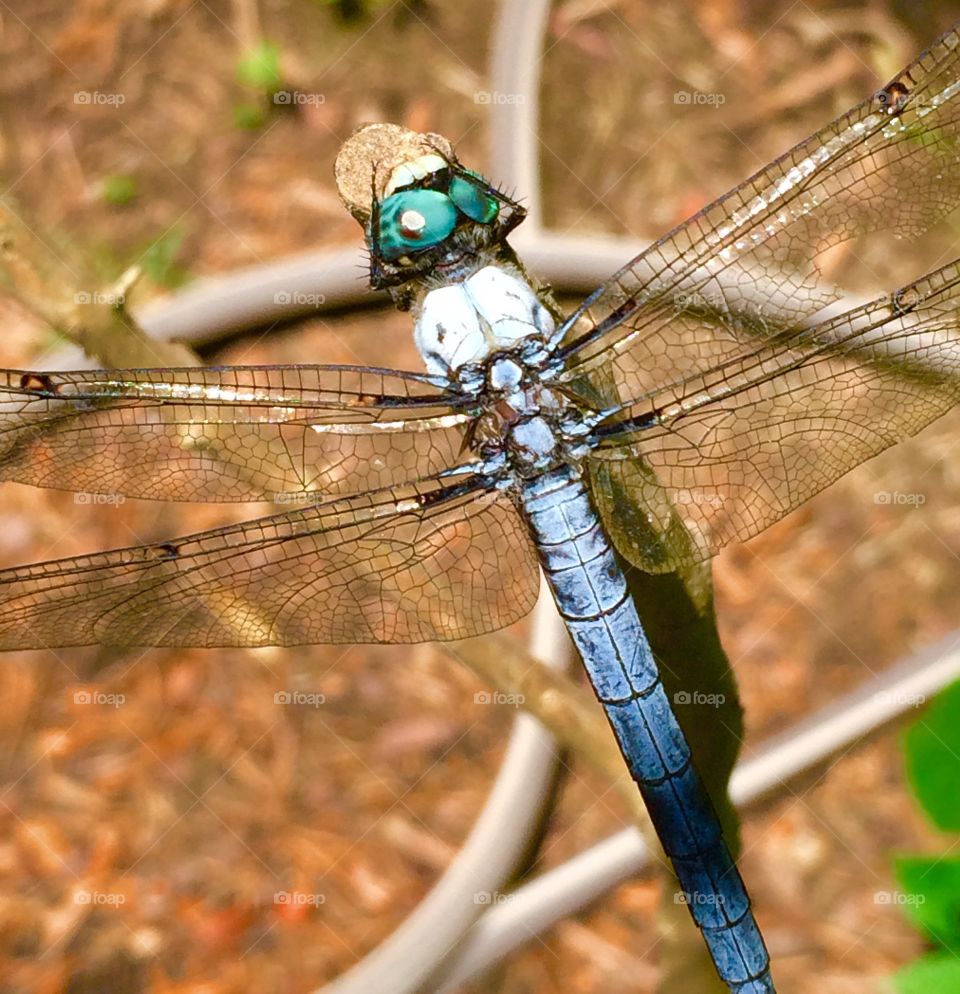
{"x":474,"y":201}
{"x":413,"y":220}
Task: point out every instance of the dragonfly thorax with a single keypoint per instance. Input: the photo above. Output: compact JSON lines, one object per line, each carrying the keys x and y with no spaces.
{"x":487,"y":334}
{"x":533,"y":445}
{"x":461,"y":326}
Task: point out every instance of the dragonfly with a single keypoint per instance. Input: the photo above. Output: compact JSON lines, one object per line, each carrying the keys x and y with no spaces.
{"x":701,"y":393}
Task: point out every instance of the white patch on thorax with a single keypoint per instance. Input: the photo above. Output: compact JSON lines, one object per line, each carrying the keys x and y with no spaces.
{"x":468,"y":322}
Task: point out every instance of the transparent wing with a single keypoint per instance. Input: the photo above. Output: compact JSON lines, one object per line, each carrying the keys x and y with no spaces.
{"x":284,"y":433}
{"x":745,"y":269}
{"x":426,"y":563}
{"x":733,"y":449}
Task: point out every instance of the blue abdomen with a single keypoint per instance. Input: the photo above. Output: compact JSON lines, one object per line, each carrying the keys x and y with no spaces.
{"x":592,"y":595}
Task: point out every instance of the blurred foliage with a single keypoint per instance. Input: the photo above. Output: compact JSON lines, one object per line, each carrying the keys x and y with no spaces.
{"x":930,"y":885}
{"x":938,"y":973}
{"x":349,"y":10}
{"x":354,"y":10}
{"x":258,"y":69}
{"x":158,"y":259}
{"x":249,"y":116}
{"x":119,"y":189}
{"x":932,"y":749}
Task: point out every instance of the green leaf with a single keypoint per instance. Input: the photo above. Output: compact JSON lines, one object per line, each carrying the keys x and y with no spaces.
{"x":249,"y":116}
{"x":158,"y":257}
{"x":260,"y":67}
{"x":931,"y":895}
{"x":932,"y":749}
{"x":938,"y":973}
{"x":118,"y":189}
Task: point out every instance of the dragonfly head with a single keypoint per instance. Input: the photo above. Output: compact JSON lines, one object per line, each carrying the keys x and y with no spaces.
{"x":425,"y":215}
